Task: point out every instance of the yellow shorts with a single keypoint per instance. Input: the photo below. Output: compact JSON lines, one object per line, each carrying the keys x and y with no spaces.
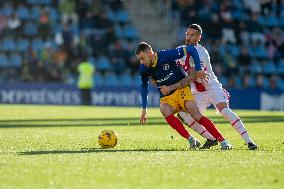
{"x":178,"y":98}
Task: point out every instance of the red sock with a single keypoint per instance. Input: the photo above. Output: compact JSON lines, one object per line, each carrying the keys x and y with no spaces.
{"x":176,"y":124}
{"x":210,"y":127}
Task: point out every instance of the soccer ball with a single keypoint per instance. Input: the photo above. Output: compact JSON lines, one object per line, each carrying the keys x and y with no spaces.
{"x":107,"y":139}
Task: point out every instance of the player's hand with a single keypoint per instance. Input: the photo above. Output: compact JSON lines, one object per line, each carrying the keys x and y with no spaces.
{"x":204,"y":77}
{"x":191,"y":75}
{"x":143,"y":117}
{"x":165,"y":90}
{"x":153,"y":82}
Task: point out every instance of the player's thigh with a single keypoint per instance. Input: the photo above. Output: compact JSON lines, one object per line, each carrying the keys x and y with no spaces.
{"x":183,"y":95}
{"x":167,"y":109}
{"x":192,"y":109}
{"x":188,"y":103}
{"x":219,"y":98}
{"x":169,"y":105}
{"x":202,"y":101}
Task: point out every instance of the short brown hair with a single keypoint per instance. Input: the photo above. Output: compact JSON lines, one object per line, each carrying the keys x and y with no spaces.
{"x":196,"y":27}
{"x":142,"y":47}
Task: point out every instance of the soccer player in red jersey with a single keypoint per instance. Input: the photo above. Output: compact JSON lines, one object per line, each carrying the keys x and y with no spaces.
{"x":208,"y":92}
{"x":161,"y":67}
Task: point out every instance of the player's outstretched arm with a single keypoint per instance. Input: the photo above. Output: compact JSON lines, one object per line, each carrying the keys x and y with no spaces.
{"x":144,"y":96}
{"x":192,"y":50}
{"x":182,"y":83}
{"x":174,"y":54}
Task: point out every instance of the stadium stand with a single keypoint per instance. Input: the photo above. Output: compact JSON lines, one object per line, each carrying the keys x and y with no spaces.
{"x":42,"y":40}
{"x":245,"y":38}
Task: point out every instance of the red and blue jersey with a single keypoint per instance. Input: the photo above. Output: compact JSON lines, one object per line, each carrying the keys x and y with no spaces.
{"x":165,"y":71}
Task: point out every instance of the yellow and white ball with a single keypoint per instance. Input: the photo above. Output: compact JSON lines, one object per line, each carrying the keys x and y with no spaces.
{"x":107,"y":139}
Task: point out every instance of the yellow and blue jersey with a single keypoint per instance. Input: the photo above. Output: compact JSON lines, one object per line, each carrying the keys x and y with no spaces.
{"x":165,"y":71}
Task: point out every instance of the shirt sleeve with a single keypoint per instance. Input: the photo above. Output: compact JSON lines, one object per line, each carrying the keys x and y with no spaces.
{"x":174,"y":54}
{"x":194,"y":54}
{"x":170,"y":55}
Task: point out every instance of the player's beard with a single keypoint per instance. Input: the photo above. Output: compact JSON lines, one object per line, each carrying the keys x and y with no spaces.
{"x":187,"y":42}
{"x":148,"y":63}
{"x":149,"y":60}
{"x":191,"y":41}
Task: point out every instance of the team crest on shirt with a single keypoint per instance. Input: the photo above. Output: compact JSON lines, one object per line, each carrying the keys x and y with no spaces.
{"x":166,"y":66}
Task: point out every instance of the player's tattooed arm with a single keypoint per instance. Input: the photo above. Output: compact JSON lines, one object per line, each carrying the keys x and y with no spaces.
{"x":182,"y":83}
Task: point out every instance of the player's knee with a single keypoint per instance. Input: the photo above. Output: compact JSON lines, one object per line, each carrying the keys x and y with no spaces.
{"x":193,"y":110}
{"x":182,"y":115}
{"x":196,"y":116}
{"x":224,"y":112}
{"x":185,"y":117}
{"x":221,"y":106}
{"x":166,"y":111}
{"x":228,"y":114}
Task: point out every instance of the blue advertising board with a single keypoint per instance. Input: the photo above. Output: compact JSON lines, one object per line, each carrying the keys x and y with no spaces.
{"x":60,"y":94}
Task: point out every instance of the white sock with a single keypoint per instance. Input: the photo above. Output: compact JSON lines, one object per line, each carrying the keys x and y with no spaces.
{"x":237,"y":123}
{"x":191,"y":123}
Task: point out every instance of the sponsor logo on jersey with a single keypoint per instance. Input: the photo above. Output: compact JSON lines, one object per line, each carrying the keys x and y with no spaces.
{"x":166,"y":67}
{"x":165,"y":78}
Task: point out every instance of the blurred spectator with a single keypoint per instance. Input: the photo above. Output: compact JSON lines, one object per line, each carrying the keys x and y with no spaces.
{"x":42,"y":73}
{"x":278,"y":38}
{"x":279,"y":8}
{"x":259,"y":81}
{"x":88,"y":22}
{"x":255,"y":29}
{"x":232,"y":82}
{"x":3,"y":23}
{"x":228,"y":33}
{"x":218,"y":70}
{"x":14,"y":22}
{"x":85,"y":80}
{"x":230,"y":62}
{"x":246,"y":83}
{"x":215,"y":27}
{"x":244,"y":60}
{"x":117,"y":57}
{"x":271,"y":49}
{"x":25,"y":72}
{"x":65,"y":38}
{"x":68,"y":11}
{"x":253,"y":6}
{"x":215,"y":55}
{"x":266,"y":7}
{"x":96,"y":7}
{"x":244,"y":37}
{"x":273,"y":83}
{"x":44,"y":28}
{"x":133,"y":66}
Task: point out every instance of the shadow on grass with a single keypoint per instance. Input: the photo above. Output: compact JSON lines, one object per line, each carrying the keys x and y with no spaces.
{"x":136,"y":119}
{"x":96,"y":150}
{"x":127,"y":121}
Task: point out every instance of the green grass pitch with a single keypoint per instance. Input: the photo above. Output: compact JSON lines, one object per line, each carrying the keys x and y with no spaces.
{"x":56,"y":147}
